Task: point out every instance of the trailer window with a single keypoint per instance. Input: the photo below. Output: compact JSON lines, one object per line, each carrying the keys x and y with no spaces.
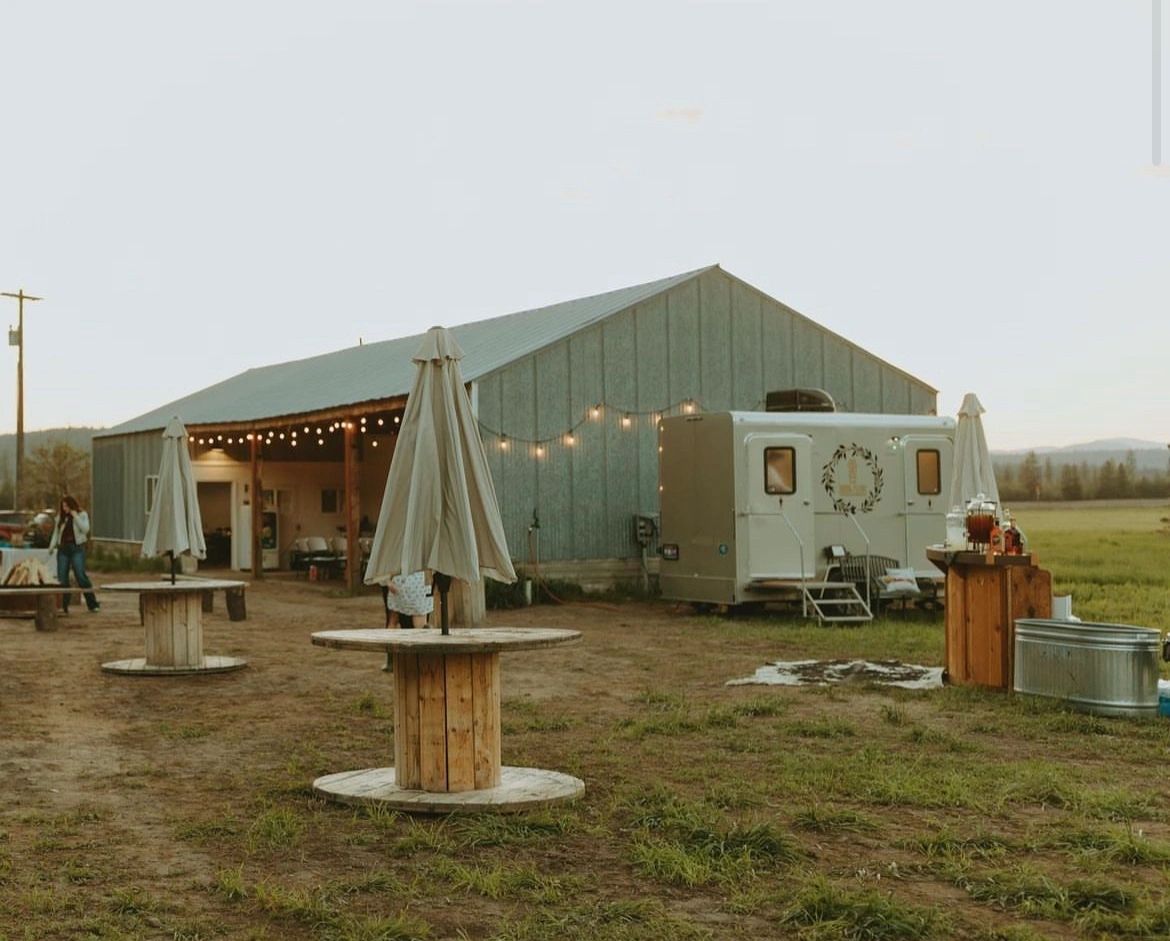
{"x":929,"y":472}
{"x":780,"y":470}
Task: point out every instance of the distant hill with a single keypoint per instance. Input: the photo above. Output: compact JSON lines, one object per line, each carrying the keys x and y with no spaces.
{"x":81,"y":438}
{"x":1105,"y":444}
{"x":1149,"y":456}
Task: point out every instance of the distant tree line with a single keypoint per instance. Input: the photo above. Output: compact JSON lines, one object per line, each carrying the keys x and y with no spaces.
{"x":51,"y":470}
{"x":1040,"y":479}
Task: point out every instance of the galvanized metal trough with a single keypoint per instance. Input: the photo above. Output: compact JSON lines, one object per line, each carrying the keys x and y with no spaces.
{"x":1106,"y":669}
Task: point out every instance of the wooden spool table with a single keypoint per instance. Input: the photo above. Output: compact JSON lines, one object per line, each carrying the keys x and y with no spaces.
{"x":985,"y":597}
{"x":447,"y":724}
{"x":173,"y":619}
{"x":45,"y":597}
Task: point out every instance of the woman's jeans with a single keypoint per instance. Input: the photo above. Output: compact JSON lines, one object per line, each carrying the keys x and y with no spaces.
{"x":73,"y":557}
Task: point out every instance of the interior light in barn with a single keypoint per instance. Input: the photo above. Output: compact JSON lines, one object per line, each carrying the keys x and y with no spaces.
{"x":381,"y":422}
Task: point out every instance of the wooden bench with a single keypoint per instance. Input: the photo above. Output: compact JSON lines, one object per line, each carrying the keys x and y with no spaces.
{"x":233,"y":597}
{"x":44,"y":600}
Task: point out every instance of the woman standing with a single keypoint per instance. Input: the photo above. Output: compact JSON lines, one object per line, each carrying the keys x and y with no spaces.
{"x":407,"y":596}
{"x":69,"y":537}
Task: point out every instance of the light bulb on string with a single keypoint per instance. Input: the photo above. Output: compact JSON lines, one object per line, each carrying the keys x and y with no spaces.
{"x":626,"y":421}
{"x":375,"y":443}
{"x":570,"y":439}
{"x":596,"y":410}
{"x":381,"y":422}
{"x":540,"y":450}
{"x":396,"y":419}
{"x":320,"y":441}
{"x":503,"y":442}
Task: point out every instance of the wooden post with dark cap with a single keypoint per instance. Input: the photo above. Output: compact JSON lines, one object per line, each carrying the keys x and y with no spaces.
{"x":353,"y":509}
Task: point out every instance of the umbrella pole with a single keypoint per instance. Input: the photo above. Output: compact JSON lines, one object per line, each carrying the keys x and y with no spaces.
{"x":172,"y":555}
{"x":444,"y":585}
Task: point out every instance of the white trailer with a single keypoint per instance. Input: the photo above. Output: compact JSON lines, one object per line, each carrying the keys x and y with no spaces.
{"x":752,"y":504}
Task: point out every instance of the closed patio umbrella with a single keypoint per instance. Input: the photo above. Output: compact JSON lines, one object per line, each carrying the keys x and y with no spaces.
{"x":439,"y":511}
{"x":174,"y":526}
{"x":972,"y":472}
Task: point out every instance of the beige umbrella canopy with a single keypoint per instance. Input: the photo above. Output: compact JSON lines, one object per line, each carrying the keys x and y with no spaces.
{"x":972,"y":472}
{"x":439,"y":512}
{"x":174,"y":526}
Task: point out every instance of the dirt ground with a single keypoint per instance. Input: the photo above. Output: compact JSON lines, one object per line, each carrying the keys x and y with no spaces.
{"x":180,"y":808}
{"x":132,"y":761}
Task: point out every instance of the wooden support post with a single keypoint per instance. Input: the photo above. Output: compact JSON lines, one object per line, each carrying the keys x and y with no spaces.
{"x":353,"y":509}
{"x":46,"y":616}
{"x":447,"y":721}
{"x":468,"y":604}
{"x":236,"y":607}
{"x":257,"y":507}
{"x":174,"y":629}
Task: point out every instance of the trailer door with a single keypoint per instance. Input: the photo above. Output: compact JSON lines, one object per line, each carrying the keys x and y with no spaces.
{"x":778,"y":506}
{"x":928,"y":477}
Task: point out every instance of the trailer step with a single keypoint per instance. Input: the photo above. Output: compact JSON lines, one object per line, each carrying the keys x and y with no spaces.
{"x":846,"y":606}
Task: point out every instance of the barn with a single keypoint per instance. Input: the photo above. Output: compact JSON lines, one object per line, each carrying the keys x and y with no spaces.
{"x":567,"y":398}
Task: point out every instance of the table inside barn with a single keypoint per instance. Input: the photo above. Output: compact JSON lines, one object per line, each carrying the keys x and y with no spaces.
{"x":172,"y":616}
{"x":985,"y":595}
{"x":447,"y":724}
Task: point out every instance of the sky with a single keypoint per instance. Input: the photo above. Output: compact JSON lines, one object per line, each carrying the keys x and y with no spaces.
{"x":967,"y":190}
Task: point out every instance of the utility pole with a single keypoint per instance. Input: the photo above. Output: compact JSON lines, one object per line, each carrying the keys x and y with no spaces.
{"x":17,"y":339}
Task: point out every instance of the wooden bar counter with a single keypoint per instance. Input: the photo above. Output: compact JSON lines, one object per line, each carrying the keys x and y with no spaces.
{"x":447,"y":724}
{"x":984,"y":597}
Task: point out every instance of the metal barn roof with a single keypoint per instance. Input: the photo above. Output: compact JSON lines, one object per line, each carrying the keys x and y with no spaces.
{"x":384,"y":369}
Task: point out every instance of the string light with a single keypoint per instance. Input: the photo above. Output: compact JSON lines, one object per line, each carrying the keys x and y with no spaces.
{"x":282,"y":436}
{"x":306,"y":429}
{"x":381,"y":422}
{"x":294,"y":442}
{"x":374,"y":443}
{"x":320,"y":441}
{"x":200,"y":440}
{"x":396,"y":419}
{"x":568,"y":438}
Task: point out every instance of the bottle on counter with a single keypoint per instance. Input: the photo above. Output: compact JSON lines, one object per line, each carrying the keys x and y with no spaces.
{"x":1012,"y":538}
{"x":995,"y":539}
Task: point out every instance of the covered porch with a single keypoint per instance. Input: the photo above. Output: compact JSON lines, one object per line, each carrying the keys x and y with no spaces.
{"x":267,"y":486}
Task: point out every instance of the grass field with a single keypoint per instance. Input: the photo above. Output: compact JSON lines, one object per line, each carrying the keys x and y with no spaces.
{"x":852,"y":812}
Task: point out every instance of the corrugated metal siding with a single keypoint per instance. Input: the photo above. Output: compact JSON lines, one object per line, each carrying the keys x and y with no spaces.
{"x":713,"y":339}
{"x":588,"y":461}
{"x":120,"y":468}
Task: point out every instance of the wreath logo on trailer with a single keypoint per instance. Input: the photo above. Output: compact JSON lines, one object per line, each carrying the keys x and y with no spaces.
{"x":845,"y":493}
